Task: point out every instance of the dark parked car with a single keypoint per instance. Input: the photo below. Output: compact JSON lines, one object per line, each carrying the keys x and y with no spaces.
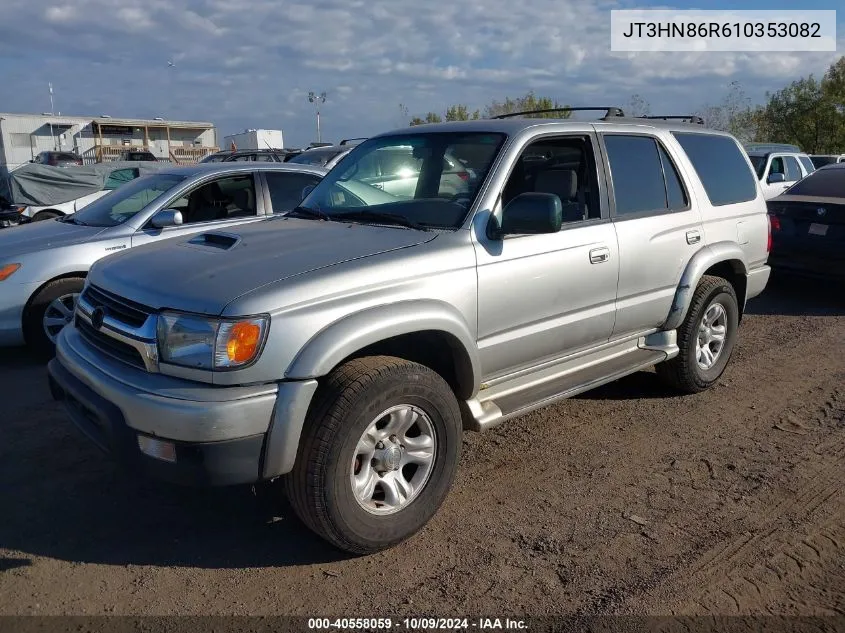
{"x":57,"y":159}
{"x":138,"y":155}
{"x":808,"y":225}
{"x":258,"y":155}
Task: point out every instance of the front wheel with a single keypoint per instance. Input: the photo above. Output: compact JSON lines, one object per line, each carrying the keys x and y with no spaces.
{"x":378,"y":453}
{"x":49,"y":312}
{"x":705,"y":339}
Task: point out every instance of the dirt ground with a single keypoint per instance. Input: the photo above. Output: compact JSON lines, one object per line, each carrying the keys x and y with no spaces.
{"x":626,"y":500}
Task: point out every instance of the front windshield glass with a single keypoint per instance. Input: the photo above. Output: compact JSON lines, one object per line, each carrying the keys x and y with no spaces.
{"x":425,"y":179}
{"x":121,"y":204}
{"x":759,"y":163}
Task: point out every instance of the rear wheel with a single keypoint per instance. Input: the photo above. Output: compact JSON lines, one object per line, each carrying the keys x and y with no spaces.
{"x":49,"y":312}
{"x":378,"y":453}
{"x":705,"y":339}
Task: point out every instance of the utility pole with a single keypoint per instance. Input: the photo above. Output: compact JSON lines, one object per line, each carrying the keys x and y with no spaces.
{"x":317,"y":100}
{"x":52,"y":114}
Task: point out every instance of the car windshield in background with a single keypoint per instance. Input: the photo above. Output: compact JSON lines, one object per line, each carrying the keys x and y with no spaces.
{"x":123,"y":203}
{"x":428,"y":180}
{"x":822,"y":183}
{"x":759,"y":163}
{"x":318,"y":157}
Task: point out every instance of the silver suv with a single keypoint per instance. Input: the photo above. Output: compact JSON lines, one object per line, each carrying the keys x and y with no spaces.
{"x":346,"y":348}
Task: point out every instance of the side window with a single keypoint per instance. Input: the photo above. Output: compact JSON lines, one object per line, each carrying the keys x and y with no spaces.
{"x":636,"y":172}
{"x":676,"y":195}
{"x":793,"y":170}
{"x":242,"y":158}
{"x":119,"y":177}
{"x":286,"y":188}
{"x":777,"y":166}
{"x":563,"y":166}
{"x":808,"y":164}
{"x":264,"y":158}
{"x":222,"y":199}
{"x":721,"y":166}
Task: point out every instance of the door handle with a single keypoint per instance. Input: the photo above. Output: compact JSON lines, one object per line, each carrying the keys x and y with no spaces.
{"x":599,"y":255}
{"x":693,"y":237}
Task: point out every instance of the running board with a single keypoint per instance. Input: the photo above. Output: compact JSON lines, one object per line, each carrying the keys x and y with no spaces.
{"x":524,"y":393}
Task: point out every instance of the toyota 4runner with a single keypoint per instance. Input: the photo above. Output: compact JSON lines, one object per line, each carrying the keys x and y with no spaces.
{"x":345,"y":347}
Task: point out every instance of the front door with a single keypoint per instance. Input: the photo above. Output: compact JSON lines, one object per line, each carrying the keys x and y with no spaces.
{"x":544,"y":296}
{"x":215,"y":204}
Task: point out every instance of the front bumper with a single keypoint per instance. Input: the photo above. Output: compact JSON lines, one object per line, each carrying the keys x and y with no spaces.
{"x":220,"y":435}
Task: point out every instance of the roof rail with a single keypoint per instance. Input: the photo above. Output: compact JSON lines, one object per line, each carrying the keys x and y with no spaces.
{"x":346,"y":141}
{"x":692,"y":118}
{"x":610,"y":111}
{"x":313,"y":145}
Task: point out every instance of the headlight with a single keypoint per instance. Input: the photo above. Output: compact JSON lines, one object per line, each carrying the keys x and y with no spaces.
{"x":195,"y":341}
{"x":8,"y":270}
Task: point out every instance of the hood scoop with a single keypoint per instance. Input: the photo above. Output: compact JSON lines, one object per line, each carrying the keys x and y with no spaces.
{"x":219,"y":241}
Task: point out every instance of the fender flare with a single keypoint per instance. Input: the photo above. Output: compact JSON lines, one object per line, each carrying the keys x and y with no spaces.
{"x":328,"y":347}
{"x":703,"y":259}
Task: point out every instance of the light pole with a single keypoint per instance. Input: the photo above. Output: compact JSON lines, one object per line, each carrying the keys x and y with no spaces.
{"x":52,"y":114}
{"x":317,"y":99}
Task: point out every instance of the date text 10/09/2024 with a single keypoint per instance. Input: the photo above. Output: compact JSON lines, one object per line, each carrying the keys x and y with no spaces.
{"x":412,"y":624}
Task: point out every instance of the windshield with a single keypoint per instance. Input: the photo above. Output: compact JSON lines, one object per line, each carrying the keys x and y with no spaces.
{"x":759,"y":163}
{"x":822,"y":183}
{"x":123,"y":203}
{"x":317,"y":157}
{"x":426,"y":179}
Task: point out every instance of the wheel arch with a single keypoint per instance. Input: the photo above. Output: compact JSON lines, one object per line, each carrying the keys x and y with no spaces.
{"x":431,"y":333}
{"x":43,"y":211}
{"x":67,"y":275}
{"x":722,"y":259}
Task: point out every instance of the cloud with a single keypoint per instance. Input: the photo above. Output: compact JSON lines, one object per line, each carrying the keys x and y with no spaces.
{"x":251,"y":63}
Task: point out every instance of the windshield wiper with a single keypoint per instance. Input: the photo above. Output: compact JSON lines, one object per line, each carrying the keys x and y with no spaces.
{"x":383,"y":218}
{"x":70,"y":219}
{"x":308,"y":212}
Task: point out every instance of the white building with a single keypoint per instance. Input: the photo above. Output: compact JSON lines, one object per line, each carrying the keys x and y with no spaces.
{"x":99,"y":139}
{"x":255,"y":139}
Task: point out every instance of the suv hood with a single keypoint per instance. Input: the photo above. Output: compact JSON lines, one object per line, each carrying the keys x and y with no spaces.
{"x":204,"y":272}
{"x":43,"y":235}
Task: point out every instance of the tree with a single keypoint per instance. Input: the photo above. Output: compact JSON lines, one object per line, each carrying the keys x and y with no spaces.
{"x":430,"y":117}
{"x":734,"y":114}
{"x":808,"y":112}
{"x":460,"y":112}
{"x":637,"y":106}
{"x":527,"y":103}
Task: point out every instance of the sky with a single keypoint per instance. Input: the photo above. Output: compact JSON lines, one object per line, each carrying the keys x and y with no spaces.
{"x":251,"y":63}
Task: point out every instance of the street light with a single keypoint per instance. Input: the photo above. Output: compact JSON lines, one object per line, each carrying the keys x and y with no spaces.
{"x":317,"y":99}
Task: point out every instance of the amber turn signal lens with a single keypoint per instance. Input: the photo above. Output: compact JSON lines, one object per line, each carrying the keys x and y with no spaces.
{"x":243,"y":341}
{"x":8,"y":270}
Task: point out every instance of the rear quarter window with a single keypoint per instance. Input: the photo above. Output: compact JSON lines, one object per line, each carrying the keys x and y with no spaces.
{"x":721,"y":166}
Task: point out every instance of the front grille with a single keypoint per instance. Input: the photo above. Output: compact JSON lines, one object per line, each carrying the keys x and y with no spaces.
{"x":110,"y":346}
{"x":123,"y":310}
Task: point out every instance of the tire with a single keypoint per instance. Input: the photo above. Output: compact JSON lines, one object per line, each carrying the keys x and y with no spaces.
{"x":61,"y":291}
{"x":46,"y":215}
{"x":684,"y":372}
{"x":353,"y":399}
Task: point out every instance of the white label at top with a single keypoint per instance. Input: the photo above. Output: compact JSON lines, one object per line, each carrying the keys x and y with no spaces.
{"x":656,"y":30}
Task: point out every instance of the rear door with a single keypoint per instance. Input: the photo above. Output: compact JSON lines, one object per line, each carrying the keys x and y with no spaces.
{"x":657,"y":226}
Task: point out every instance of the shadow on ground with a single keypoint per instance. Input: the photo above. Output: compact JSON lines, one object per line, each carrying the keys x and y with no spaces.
{"x":790,"y":295}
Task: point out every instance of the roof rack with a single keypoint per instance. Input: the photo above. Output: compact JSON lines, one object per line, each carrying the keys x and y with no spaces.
{"x":610,"y":111}
{"x":692,"y":118}
{"x":346,"y":141}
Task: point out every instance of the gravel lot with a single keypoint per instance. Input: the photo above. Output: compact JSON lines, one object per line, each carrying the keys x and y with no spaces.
{"x":628,"y":499}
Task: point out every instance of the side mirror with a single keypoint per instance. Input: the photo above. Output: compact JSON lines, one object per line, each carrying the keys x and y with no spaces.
{"x":166,"y":217}
{"x":306,"y":191}
{"x":530,"y":214}
{"x":773,"y":178}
